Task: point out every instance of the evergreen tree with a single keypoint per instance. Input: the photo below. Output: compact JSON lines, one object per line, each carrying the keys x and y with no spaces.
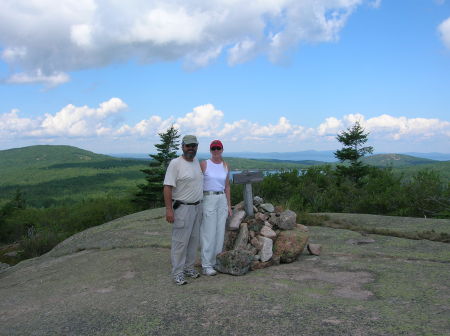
{"x":151,"y":193}
{"x":352,"y":151}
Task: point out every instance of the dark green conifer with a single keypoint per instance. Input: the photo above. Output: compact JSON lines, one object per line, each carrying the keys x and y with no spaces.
{"x":151,"y":193}
{"x":352,"y":151}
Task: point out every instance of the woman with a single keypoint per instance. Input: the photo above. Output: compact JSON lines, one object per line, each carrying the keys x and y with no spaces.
{"x":216,"y":206}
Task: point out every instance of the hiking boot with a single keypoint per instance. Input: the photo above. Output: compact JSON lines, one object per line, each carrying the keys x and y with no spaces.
{"x":209,"y":271}
{"x":179,"y":279}
{"x":192,"y":273}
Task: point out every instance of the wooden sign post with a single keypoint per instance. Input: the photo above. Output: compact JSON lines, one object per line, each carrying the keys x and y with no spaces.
{"x":248,"y":178}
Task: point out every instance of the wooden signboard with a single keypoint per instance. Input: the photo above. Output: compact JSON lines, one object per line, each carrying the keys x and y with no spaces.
{"x":248,"y":178}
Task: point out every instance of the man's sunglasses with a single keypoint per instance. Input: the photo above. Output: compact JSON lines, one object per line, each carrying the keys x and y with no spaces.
{"x":213,"y":148}
{"x":191,"y":145}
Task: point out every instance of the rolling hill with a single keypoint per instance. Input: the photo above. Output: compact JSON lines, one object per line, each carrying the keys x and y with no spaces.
{"x":49,"y":174}
{"x":396,"y":160}
{"x":46,"y":155}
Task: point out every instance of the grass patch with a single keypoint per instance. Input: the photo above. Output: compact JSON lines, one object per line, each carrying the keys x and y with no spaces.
{"x":342,"y":223}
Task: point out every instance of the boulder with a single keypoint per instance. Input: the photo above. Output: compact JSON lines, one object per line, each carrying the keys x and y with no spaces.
{"x":234,"y":262}
{"x":287,"y":220}
{"x":290,"y":244}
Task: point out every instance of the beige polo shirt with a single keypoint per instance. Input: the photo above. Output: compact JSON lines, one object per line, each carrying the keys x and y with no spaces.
{"x":186,"y":178}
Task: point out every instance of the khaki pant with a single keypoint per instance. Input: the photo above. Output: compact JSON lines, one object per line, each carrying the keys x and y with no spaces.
{"x":185,"y":237}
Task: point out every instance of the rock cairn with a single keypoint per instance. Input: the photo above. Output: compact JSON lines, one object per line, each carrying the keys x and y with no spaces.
{"x":270,"y":237}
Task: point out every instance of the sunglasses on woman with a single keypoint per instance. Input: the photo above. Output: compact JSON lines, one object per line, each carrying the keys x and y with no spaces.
{"x":214,"y":148}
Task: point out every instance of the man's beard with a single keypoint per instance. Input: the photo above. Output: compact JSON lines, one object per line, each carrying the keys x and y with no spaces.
{"x":189,"y":153}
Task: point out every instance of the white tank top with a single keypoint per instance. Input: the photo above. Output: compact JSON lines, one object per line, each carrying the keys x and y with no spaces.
{"x":214,"y":176}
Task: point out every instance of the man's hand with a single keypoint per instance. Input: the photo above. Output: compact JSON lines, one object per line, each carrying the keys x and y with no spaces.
{"x":170,"y":217}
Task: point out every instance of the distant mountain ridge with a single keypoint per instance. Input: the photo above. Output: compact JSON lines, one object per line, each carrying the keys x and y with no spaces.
{"x":47,"y":155}
{"x":309,"y":155}
{"x":396,"y":160}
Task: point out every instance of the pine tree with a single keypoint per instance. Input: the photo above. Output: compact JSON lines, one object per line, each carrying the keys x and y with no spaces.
{"x":353,"y":140}
{"x":151,"y":193}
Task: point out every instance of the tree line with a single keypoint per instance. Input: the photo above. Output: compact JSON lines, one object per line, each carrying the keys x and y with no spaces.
{"x":350,"y":186}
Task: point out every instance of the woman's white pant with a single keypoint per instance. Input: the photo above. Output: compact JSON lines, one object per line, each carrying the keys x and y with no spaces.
{"x":212,"y":229}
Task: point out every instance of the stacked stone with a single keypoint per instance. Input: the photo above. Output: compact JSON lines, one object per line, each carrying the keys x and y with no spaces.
{"x":272,"y":236}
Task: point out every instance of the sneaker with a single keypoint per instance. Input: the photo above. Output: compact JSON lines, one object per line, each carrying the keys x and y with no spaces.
{"x":192,"y":273}
{"x":209,"y":271}
{"x":179,"y":279}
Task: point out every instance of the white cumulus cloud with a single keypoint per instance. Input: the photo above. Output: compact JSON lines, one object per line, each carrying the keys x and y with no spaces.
{"x":70,"y":121}
{"x":42,"y":40}
{"x":444,"y":30}
{"x":208,"y":122}
{"x":38,"y":76}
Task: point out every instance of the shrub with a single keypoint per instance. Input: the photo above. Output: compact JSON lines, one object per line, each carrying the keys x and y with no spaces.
{"x":40,"y":243}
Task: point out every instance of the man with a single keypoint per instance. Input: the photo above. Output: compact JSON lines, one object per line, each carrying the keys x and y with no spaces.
{"x":183,"y":193}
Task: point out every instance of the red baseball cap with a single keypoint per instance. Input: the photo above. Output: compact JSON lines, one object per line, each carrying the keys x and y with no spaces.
{"x":215,"y":143}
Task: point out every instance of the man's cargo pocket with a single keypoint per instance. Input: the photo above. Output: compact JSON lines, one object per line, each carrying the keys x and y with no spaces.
{"x":178,"y":224}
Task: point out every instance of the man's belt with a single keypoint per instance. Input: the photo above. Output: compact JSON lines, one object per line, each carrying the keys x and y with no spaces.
{"x":177,"y":203}
{"x":212,"y":192}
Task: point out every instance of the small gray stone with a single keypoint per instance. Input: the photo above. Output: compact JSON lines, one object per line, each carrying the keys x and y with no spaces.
{"x":267,"y":232}
{"x":257,"y":200}
{"x":266,"y":250}
{"x":242,"y":238}
{"x":274,"y":219}
{"x":235,"y":220}
{"x":261,"y":216}
{"x":314,"y":249}
{"x":255,"y":242}
{"x":267,"y":207}
{"x":287,"y":220}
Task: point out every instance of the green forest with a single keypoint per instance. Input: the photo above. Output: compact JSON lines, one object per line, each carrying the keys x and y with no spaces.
{"x":48,"y":193}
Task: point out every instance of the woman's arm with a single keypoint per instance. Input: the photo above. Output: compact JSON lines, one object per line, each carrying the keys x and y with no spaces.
{"x":227,"y":190}
{"x":203,"y":166}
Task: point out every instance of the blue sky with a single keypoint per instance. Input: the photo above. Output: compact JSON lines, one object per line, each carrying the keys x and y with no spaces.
{"x":276,"y":75}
